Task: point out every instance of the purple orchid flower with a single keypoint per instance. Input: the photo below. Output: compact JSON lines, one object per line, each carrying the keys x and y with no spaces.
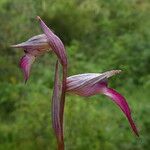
{"x":89,"y":84}
{"x":35,"y":47}
{"x":83,"y":84}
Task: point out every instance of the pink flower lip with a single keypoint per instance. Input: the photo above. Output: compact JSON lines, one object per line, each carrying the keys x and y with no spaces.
{"x":25,"y":64}
{"x":89,"y":84}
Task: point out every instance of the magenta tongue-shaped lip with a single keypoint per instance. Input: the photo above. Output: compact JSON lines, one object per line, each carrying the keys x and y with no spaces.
{"x":122,"y":103}
{"x":25,"y":64}
{"x":89,"y":84}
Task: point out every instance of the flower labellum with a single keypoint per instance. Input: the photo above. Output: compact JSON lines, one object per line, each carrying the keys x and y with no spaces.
{"x":37,"y":46}
{"x":89,"y":84}
{"x":25,"y":64}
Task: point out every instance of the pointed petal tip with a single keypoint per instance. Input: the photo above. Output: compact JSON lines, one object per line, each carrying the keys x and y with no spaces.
{"x":38,"y":18}
{"x":116,"y":71}
{"x":25,"y":81}
{"x":112,"y":73}
{"x":18,"y":45}
{"x":14,"y":46}
{"x":137,"y":134}
{"x":133,"y":126}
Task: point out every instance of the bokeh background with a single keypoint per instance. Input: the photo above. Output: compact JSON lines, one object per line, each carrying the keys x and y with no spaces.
{"x":99,"y":35}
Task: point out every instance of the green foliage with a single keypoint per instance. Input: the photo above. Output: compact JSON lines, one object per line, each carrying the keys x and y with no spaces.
{"x":99,"y":35}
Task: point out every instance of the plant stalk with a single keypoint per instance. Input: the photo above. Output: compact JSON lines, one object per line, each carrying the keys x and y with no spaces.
{"x":62,"y":104}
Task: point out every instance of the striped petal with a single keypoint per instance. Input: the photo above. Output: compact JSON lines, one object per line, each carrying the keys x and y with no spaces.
{"x":81,"y":81}
{"x":36,"y":45}
{"x":54,"y":42}
{"x":25,"y":64}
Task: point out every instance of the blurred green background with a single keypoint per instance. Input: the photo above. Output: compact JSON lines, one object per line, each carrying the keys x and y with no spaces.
{"x":99,"y":35}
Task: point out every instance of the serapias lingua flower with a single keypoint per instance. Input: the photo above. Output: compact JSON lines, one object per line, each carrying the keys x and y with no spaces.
{"x":37,"y":46}
{"x":89,"y":84}
{"x":33,"y":47}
